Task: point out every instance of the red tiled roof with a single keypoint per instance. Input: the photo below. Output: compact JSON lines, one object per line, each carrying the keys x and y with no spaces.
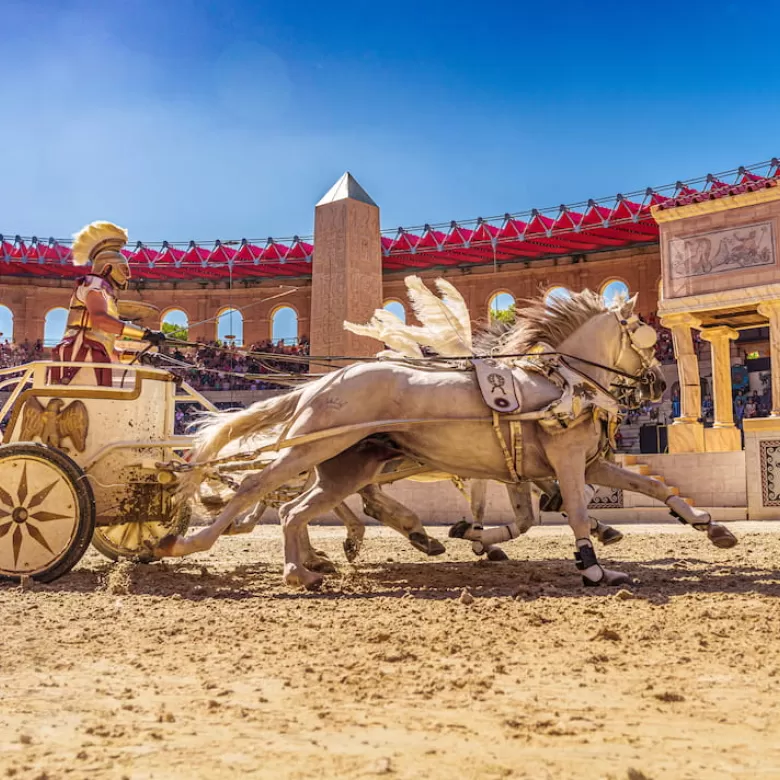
{"x":578,"y":229}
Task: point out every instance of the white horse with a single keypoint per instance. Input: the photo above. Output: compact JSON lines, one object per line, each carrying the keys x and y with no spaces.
{"x":440,"y":419}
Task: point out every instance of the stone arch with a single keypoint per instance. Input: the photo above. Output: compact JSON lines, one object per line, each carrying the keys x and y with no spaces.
{"x":614,"y":290}
{"x":175,"y":323}
{"x":284,"y":324}
{"x":500,"y":302}
{"x":6,"y":323}
{"x":54,"y":326}
{"x":230,"y":326}
{"x":394,"y":306}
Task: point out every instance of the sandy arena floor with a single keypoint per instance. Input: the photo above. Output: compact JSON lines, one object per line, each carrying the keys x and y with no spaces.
{"x":210,"y":668}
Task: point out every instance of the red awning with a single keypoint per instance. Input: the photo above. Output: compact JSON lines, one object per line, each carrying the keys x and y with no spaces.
{"x":589,"y":227}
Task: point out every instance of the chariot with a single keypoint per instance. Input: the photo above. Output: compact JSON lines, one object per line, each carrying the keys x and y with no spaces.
{"x":83,"y":464}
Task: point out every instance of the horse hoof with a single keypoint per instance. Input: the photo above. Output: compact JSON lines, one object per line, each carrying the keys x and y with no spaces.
{"x":720,"y":536}
{"x":351,"y":550}
{"x":300,"y":577}
{"x":497,"y":554}
{"x":458,"y":531}
{"x":615,"y":578}
{"x":610,"y":579}
{"x":322,"y":565}
{"x":164,"y":547}
{"x":609,"y":536}
{"x":426,"y":544}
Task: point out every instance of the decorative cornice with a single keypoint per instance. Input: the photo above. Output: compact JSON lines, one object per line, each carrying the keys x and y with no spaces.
{"x":719,"y":301}
{"x":771,"y":193}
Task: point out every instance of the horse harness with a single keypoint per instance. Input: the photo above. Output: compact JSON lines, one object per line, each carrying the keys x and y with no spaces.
{"x":582,"y":398}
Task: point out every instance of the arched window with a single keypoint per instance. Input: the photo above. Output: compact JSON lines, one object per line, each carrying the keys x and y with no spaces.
{"x":175,"y":324}
{"x":561,"y":293}
{"x":284,"y":325}
{"x":230,"y":327}
{"x":502,"y":307}
{"x":397,"y":308}
{"x":54,"y":326}
{"x":614,"y":291}
{"x":6,"y":324}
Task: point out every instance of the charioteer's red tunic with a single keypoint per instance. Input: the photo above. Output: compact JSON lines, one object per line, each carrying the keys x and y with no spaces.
{"x":83,"y":343}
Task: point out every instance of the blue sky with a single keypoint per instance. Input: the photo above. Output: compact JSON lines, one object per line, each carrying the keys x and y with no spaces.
{"x":223,"y":119}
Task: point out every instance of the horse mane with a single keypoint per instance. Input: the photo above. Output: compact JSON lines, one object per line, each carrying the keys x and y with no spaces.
{"x":550,"y":321}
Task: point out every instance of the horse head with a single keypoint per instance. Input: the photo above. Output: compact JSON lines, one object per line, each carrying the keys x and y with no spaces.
{"x":636,"y":354}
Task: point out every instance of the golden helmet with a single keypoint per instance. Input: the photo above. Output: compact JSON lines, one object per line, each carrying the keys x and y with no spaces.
{"x":100,"y":244}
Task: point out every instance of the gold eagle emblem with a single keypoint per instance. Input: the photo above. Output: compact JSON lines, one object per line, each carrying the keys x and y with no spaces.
{"x":53,"y":424}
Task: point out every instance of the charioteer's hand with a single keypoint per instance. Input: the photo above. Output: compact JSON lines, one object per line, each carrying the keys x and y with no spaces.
{"x":155,"y":337}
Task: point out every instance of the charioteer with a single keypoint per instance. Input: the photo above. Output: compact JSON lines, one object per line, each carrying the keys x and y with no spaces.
{"x":94,"y":325}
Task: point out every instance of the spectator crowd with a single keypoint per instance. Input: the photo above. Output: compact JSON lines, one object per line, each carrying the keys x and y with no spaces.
{"x":214,"y":367}
{"x":17,"y":354}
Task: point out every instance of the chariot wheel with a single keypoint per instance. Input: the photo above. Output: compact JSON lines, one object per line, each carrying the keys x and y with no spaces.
{"x":135,"y":539}
{"x":47,"y":512}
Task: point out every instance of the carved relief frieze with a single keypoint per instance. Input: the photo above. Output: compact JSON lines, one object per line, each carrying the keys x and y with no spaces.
{"x":721,"y":251}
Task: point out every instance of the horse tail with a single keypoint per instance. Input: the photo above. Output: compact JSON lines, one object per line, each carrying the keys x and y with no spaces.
{"x":215,"y":430}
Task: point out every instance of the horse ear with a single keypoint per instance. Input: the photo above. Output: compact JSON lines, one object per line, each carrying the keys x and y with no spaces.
{"x":627,"y":307}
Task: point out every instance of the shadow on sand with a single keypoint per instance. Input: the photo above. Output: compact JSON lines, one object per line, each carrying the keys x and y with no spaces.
{"x":655,"y":581}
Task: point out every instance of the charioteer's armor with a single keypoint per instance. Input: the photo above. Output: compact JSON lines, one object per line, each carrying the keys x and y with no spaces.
{"x":94,"y":324}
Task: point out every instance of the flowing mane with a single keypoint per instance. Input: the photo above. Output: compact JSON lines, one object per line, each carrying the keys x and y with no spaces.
{"x":550,"y":321}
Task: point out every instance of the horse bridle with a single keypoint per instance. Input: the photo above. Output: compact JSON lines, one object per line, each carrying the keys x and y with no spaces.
{"x":639,"y":337}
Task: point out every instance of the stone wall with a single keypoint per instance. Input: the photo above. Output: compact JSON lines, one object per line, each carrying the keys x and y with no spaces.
{"x":639,"y":268}
{"x":711,"y":479}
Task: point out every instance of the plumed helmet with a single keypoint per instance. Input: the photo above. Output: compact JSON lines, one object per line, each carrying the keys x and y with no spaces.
{"x":100,"y":244}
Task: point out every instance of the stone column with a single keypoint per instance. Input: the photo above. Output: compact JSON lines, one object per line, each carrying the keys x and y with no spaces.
{"x":724,"y":435}
{"x":686,"y":434}
{"x":771,"y":310}
{"x":346,"y":270}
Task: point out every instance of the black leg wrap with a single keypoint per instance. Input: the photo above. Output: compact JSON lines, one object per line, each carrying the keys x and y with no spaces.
{"x":551,"y":503}
{"x":585,"y":557}
{"x":697,"y":526}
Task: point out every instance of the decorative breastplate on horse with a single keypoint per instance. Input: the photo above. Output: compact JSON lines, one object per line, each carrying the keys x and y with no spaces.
{"x":79,"y":318}
{"x":581,"y":399}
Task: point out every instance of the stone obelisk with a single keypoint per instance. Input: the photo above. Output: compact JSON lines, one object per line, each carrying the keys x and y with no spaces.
{"x":346,"y":271}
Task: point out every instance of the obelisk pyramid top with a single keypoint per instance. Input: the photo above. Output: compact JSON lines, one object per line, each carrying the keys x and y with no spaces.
{"x":346,"y":188}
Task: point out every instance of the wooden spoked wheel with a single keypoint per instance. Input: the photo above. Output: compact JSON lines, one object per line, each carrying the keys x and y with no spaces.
{"x":47,"y":512}
{"x":135,"y":539}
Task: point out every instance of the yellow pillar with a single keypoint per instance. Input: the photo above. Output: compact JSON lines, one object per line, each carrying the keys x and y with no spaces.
{"x":686,"y":434}
{"x":771,"y":310}
{"x":724,"y":435}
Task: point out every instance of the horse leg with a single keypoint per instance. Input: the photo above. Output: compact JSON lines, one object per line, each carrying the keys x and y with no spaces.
{"x":248,"y":524}
{"x":571,"y":478}
{"x":335,"y":481}
{"x":605,"y":473}
{"x":395,"y":515}
{"x":478,"y":501}
{"x":606,"y":534}
{"x":288,"y":466}
{"x":356,"y":530}
{"x":484,"y":540}
{"x":314,"y":560}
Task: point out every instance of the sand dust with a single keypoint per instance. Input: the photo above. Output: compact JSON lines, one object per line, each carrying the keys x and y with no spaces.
{"x":402,"y":667}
